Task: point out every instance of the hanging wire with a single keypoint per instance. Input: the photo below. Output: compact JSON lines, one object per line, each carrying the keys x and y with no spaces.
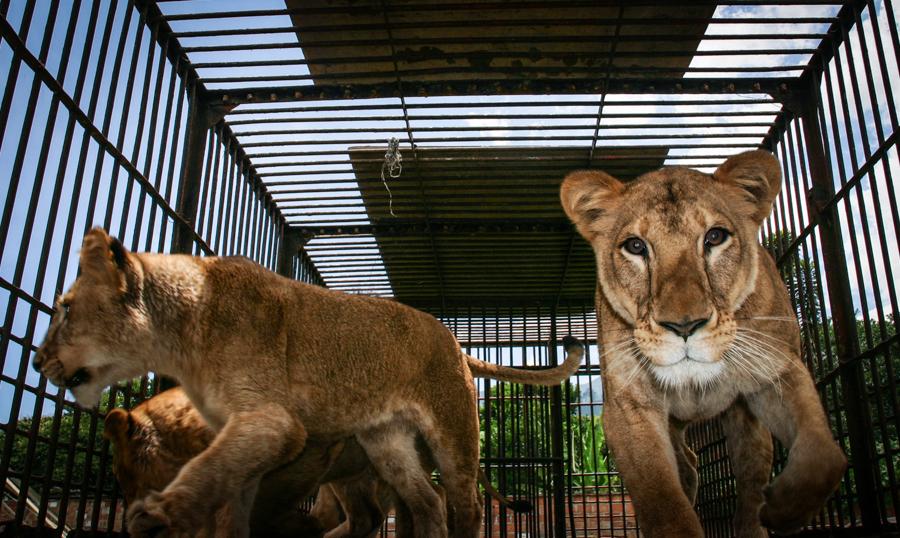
{"x":394,"y":167}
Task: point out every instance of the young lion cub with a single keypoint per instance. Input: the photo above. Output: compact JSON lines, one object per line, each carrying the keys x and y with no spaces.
{"x":151,"y":443}
{"x":695,"y":321}
{"x":270,"y":362}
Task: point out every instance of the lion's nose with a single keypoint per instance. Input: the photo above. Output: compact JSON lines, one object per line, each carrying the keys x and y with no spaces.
{"x":37,"y":361}
{"x":684,"y":328}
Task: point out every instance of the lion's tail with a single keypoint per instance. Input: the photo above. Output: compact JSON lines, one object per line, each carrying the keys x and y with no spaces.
{"x":516,"y":505}
{"x":546,"y":376}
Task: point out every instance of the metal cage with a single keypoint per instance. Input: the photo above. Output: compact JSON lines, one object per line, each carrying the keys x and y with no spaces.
{"x":414,"y":150}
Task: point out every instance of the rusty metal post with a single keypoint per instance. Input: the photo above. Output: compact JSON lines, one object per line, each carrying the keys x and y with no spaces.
{"x":842,"y":312}
{"x":291,"y":243}
{"x":191,"y":173}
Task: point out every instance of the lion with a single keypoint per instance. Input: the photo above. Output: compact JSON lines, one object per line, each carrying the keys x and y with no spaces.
{"x":695,"y":322}
{"x":270,"y":362}
{"x":152,"y":441}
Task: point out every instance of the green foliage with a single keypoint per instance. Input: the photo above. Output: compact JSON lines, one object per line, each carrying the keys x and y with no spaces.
{"x":73,"y":429}
{"x":800,"y":276}
{"x":517,"y":424}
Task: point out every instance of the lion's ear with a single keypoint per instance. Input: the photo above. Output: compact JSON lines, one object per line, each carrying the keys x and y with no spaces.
{"x":118,"y":425}
{"x":103,"y":258}
{"x":586,"y":195}
{"x":758,"y":174}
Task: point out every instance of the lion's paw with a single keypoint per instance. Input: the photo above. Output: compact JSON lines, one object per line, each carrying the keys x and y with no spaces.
{"x":147,"y":517}
{"x":785,"y":514}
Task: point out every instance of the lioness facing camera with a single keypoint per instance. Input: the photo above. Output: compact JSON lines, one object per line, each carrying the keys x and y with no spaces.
{"x":269,"y":362}
{"x":694,"y":321}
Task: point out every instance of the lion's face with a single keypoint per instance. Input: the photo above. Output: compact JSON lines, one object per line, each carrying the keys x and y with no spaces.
{"x":96,"y":323}
{"x":153,"y":441}
{"x":676,"y":255}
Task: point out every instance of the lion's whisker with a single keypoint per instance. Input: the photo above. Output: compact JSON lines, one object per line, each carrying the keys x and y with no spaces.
{"x":733,"y":356}
{"x":749,"y":347}
{"x":752,"y":349}
{"x":768,"y":347}
{"x":754,"y":331}
{"x":767,"y":318}
{"x":617,"y":347}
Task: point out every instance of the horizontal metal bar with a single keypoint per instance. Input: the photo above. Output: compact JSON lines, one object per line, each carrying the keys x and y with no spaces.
{"x":465,"y":226}
{"x":511,"y":128}
{"x":492,"y":72}
{"x":470,"y":57}
{"x":780,"y":88}
{"x":493,"y":23}
{"x":572,"y":138}
{"x":456,"y":117}
{"x":527,"y":40}
{"x":377,"y":9}
{"x":467,"y":104}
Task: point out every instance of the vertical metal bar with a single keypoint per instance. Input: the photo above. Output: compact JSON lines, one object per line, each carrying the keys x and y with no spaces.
{"x":13,"y":73}
{"x":244,"y":193}
{"x":218,"y":228}
{"x":107,"y":116}
{"x":25,"y":135}
{"x":229,"y":216}
{"x":180,"y":131}
{"x":50,"y":225}
{"x":208,"y":182}
{"x":556,"y":429}
{"x":164,"y":152}
{"x":843,"y":318}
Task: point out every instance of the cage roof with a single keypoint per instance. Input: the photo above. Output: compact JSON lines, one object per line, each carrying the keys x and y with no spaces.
{"x":491,"y":104}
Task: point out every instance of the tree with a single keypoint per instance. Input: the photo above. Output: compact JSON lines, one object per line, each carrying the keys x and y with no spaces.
{"x":74,"y":441}
{"x":516,"y":424}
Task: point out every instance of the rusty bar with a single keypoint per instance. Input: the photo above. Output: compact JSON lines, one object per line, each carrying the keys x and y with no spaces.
{"x":842,"y":312}
{"x":780,"y":88}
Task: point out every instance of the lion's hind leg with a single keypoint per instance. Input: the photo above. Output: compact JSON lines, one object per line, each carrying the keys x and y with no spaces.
{"x":365,"y":503}
{"x":392,"y":450}
{"x":455,"y":451}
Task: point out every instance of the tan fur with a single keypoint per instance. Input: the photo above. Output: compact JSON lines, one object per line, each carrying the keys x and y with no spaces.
{"x":154,"y":440}
{"x":270,"y":362}
{"x":742,"y":358}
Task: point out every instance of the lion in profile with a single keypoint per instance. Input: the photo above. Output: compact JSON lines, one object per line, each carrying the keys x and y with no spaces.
{"x":695,"y":322}
{"x":271,"y":363}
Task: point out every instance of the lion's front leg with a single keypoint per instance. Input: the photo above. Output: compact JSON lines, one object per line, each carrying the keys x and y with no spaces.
{"x":639,"y":438}
{"x":815,"y":463}
{"x":750,"y":451}
{"x":250,"y":444}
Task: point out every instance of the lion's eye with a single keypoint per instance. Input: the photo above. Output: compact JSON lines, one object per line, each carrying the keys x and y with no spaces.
{"x":715,"y":237}
{"x":635,"y":246}
{"x":65,"y":307}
